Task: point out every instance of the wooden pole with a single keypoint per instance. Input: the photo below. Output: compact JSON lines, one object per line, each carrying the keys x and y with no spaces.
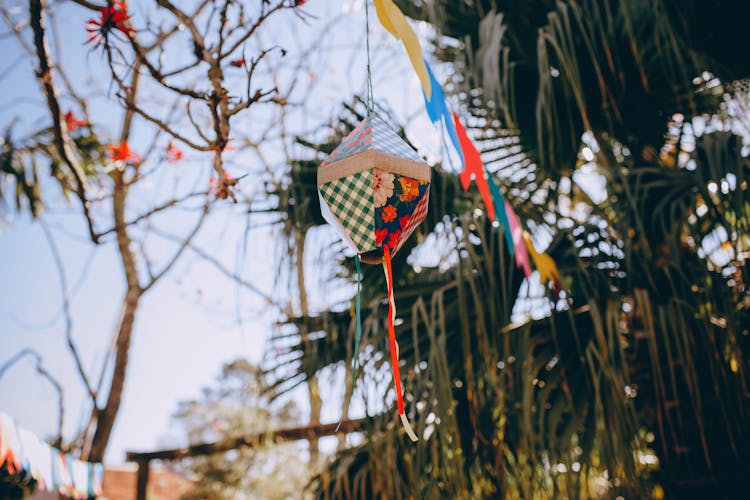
{"x":142,"y":485}
{"x":294,"y":434}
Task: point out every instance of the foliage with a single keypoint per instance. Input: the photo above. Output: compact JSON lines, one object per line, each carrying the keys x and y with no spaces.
{"x":177,"y":81}
{"x":236,"y":406}
{"x":637,"y":379}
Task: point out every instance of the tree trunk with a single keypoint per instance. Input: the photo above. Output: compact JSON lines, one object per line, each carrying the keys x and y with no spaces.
{"x":105,"y":417}
{"x":313,"y":390}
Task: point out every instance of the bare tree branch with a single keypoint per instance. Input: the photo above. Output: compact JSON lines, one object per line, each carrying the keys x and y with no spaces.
{"x":252,"y":29}
{"x":183,"y":245}
{"x":89,"y":5}
{"x":235,"y":276}
{"x":155,"y":210}
{"x":66,"y":310}
{"x":62,"y":140}
{"x":48,"y":376}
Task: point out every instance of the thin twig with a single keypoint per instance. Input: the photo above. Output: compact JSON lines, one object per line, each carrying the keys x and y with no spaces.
{"x":203,"y":254}
{"x":41,"y":370}
{"x":183,"y":245}
{"x":66,"y":309}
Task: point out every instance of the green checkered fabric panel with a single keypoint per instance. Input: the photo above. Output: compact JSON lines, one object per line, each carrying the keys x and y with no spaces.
{"x":350,"y":200}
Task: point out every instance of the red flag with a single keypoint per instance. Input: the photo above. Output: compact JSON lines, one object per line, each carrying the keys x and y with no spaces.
{"x":473,"y":167}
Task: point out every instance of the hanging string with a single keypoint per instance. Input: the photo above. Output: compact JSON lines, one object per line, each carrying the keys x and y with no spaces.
{"x":388,"y":268}
{"x":369,"y":98}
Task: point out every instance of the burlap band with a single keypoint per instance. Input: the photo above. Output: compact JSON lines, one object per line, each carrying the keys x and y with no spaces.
{"x":373,"y":159}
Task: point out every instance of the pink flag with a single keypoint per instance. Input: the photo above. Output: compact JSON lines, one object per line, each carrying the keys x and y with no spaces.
{"x":520,"y":251}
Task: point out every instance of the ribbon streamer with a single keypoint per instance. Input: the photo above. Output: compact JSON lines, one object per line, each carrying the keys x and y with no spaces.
{"x":437,"y":109}
{"x":395,"y":22}
{"x":358,"y":334}
{"x":473,"y":168}
{"x":388,"y":268}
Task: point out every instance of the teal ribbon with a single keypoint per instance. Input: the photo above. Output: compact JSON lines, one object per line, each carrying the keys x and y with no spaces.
{"x":358,"y":312}
{"x":502,"y":216}
{"x":358,"y":335}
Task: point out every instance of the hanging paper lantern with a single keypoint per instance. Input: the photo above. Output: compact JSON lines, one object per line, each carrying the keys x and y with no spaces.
{"x":375,"y":189}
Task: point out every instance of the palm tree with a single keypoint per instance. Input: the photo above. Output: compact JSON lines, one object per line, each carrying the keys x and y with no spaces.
{"x":634,"y":383}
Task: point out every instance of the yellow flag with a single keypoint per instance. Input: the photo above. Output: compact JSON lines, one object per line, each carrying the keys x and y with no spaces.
{"x":543,"y":262}
{"x":394,"y":21}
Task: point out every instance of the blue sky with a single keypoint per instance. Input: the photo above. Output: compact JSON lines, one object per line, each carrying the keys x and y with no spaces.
{"x":188,"y":325}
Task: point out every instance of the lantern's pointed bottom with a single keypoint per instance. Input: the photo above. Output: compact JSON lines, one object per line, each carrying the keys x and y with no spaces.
{"x":374,"y":257}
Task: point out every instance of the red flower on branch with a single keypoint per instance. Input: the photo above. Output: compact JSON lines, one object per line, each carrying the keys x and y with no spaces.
{"x":223,"y":187}
{"x":238,"y":63}
{"x":114,"y":16}
{"x":72,"y":122}
{"x":299,"y":3}
{"x":174,"y":154}
{"x":122,"y":152}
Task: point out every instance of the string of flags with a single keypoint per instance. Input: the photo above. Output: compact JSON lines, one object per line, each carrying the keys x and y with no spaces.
{"x":24,"y":457}
{"x":374,"y":188}
{"x":472,"y":167}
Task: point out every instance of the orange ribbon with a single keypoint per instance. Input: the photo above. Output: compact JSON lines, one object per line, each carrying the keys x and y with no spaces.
{"x":393,"y":344}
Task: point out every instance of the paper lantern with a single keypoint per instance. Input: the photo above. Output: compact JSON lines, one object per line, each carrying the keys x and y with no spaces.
{"x":375,"y":189}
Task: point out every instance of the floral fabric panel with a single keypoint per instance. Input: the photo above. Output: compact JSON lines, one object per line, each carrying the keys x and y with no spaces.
{"x":396,"y":199}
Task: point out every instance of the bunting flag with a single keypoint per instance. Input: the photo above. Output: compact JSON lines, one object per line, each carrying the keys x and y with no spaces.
{"x":395,"y":22}
{"x":502,"y":217}
{"x":545,"y":265}
{"x":24,"y":455}
{"x":497,"y":208}
{"x":473,"y":168}
{"x":521,"y":252}
{"x":437,"y":109}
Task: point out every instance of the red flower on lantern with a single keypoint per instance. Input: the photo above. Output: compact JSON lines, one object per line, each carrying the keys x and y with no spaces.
{"x":114,"y":16}
{"x":404,"y":221}
{"x":174,"y":154}
{"x":389,"y":213}
{"x":122,"y":152}
{"x":72,"y":122}
{"x":380,"y":235}
{"x":393,"y":239}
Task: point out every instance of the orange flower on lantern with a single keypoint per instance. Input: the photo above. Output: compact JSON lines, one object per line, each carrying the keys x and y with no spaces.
{"x":121,"y":152}
{"x":114,"y":16}
{"x":72,"y":122}
{"x":174,"y":154}
{"x":409,"y":189}
{"x":389,"y":213}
